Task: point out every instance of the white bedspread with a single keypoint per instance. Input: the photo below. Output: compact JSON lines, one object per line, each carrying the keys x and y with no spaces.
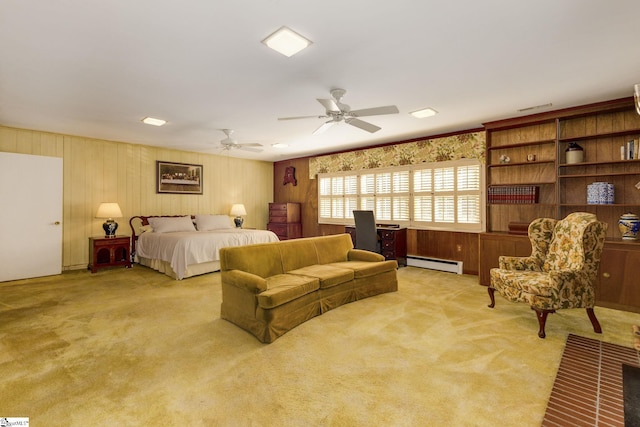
{"x":181,"y":249}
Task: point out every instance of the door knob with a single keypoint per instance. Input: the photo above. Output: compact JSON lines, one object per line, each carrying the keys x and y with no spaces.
{"x":606,"y":275}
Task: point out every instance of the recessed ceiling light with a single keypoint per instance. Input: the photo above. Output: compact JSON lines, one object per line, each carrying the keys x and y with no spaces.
{"x":425,"y":112}
{"x":286,"y":41}
{"x":279,"y":145}
{"x":154,"y":122}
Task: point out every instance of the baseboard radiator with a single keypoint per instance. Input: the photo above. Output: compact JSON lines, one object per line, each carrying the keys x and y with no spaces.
{"x":435,"y":264}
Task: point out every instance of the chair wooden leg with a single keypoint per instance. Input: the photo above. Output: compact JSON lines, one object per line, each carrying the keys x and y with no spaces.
{"x":542,"y":320}
{"x":594,"y":321}
{"x":493,"y":298}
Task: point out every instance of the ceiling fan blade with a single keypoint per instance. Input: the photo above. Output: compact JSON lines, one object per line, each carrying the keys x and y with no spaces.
{"x":301,"y":117}
{"x":329,"y":104}
{"x":363,"y":125}
{"x":377,"y":111}
{"x":249,"y":148}
{"x":249,"y":144}
{"x":323,"y":127}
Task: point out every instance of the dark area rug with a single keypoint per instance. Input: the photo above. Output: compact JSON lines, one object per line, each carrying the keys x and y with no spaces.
{"x":588,"y":389}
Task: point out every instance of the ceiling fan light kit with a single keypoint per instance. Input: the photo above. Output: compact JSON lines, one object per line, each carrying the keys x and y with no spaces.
{"x":338,"y":112}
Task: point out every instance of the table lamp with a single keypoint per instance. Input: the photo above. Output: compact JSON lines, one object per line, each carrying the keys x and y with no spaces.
{"x":109,"y":211}
{"x":238,"y":210}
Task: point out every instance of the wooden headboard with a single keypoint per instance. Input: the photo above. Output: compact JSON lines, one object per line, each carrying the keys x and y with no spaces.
{"x":144,"y":220}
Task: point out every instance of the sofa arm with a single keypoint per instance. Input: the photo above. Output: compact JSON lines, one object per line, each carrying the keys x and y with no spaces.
{"x":519,"y":263}
{"x":361,"y":255}
{"x":241,"y":279}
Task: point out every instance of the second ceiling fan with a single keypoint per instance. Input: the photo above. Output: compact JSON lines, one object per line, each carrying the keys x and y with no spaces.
{"x":229,"y":142}
{"x":338,"y":112}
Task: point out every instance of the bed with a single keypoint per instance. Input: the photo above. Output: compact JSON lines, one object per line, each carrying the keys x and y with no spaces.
{"x":186,"y":246}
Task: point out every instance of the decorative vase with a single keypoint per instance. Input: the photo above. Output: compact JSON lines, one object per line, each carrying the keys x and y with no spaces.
{"x":629,"y":225}
{"x":574,"y":153}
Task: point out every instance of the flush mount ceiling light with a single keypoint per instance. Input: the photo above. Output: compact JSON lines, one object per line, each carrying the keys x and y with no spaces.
{"x":286,"y":41}
{"x":425,"y":112}
{"x":279,"y":145}
{"x":154,"y":122}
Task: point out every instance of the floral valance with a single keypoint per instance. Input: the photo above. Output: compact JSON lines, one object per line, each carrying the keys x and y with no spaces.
{"x":463,"y":146}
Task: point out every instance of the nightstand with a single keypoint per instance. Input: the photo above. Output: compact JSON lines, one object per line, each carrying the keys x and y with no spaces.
{"x":109,"y":252}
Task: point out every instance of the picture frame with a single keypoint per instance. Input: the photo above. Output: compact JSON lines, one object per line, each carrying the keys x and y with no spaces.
{"x":178,"y":178}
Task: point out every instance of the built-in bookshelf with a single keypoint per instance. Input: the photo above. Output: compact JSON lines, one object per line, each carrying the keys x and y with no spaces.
{"x":531,"y":152}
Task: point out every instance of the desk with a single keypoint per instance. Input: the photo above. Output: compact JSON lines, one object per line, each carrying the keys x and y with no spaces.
{"x":393,"y":242}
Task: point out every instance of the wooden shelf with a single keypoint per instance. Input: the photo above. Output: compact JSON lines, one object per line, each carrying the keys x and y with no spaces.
{"x":537,"y":162}
{"x":605,"y":163}
{"x":596,"y":175}
{"x":600,"y":135}
{"x":522,"y":144}
{"x":519,"y":184}
{"x":613,"y":205}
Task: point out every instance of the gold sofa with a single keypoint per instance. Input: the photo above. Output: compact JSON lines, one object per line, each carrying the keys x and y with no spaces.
{"x":270,"y":288}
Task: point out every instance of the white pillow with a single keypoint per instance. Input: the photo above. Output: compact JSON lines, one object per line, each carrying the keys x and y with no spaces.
{"x":212,"y":222}
{"x":145,"y":228}
{"x":171,"y":224}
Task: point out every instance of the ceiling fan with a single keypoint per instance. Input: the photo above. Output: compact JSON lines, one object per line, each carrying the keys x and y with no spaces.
{"x":228,"y":143}
{"x":338,"y":112}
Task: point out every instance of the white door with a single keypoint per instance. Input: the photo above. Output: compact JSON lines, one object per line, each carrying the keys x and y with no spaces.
{"x":30,"y":216}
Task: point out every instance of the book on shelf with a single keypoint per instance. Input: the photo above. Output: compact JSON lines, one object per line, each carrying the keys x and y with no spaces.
{"x":629,"y":151}
{"x":512,"y":194}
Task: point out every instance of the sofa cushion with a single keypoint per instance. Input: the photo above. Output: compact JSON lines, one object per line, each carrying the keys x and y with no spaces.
{"x":262,"y":259}
{"x":366,"y":269}
{"x":297,"y":253}
{"x":283,"y":288}
{"x":328,"y":275}
{"x":333,"y":248}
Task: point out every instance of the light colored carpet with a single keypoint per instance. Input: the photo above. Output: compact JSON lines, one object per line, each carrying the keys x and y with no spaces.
{"x":134,"y":347}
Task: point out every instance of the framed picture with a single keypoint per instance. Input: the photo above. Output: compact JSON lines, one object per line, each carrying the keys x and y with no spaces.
{"x":178,"y":178}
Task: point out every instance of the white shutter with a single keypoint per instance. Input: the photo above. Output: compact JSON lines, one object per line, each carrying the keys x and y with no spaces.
{"x":441,"y":195}
{"x":468,"y":178}
{"x":324,"y":186}
{"x":337,"y":207}
{"x":469,"y":209}
{"x":444,"y":209}
{"x":422,"y":180}
{"x":367,"y":184}
{"x":401,"y":210}
{"x":383,"y":208}
{"x":443,"y":179}
{"x":383,"y":183}
{"x":337,"y":186}
{"x":423,"y":208}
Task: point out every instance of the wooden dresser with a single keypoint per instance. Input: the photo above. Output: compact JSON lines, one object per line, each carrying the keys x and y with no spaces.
{"x":393,"y":242}
{"x":284,"y":220}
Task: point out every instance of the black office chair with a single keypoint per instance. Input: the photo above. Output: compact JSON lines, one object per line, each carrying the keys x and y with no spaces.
{"x":366,"y":232}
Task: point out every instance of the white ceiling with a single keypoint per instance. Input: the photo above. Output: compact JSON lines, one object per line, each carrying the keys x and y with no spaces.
{"x":96,"y":68}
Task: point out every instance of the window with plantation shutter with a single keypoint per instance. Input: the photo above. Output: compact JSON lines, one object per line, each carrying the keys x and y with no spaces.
{"x":441,"y":195}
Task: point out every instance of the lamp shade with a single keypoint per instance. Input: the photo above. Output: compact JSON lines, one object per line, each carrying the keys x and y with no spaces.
{"x":238,"y":209}
{"x":109,"y":210}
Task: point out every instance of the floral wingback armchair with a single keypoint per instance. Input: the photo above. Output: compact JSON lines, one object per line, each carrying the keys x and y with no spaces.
{"x":561,"y":271}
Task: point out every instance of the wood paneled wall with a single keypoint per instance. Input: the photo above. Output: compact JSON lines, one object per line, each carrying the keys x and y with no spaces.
{"x":98,"y":171}
{"x":437,"y":244}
